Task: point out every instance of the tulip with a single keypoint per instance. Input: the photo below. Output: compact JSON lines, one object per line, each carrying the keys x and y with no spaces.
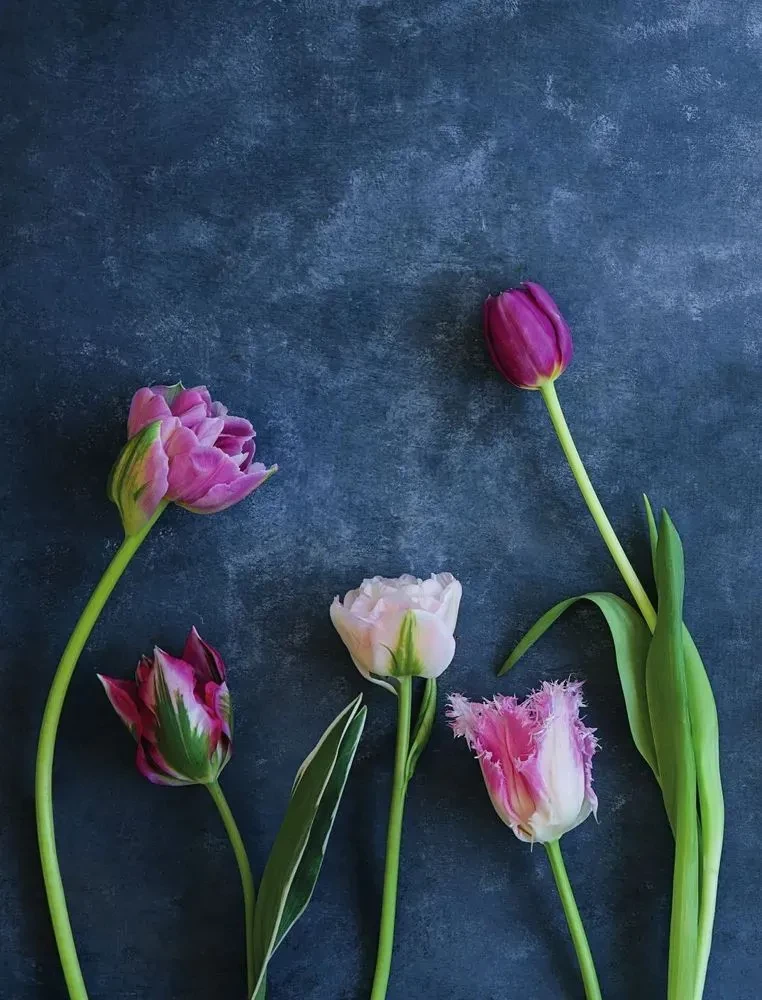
{"x":400,"y":627}
{"x":179,"y":712}
{"x":536,"y":760}
{"x":527,"y":337}
{"x":183,"y":447}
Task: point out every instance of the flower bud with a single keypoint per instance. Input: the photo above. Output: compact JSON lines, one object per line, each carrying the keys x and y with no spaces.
{"x":536,"y":758}
{"x":527,"y":337}
{"x":179,"y":712}
{"x":186,"y":448}
{"x":400,"y":627}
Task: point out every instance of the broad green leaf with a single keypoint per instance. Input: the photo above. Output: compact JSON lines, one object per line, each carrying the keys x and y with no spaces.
{"x":667,"y":691}
{"x":631,"y":640}
{"x":706,"y":748}
{"x":423,"y":726}
{"x":297,"y":855}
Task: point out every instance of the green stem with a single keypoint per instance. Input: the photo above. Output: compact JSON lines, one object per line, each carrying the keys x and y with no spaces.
{"x":393,"y":840}
{"x":43,"y":789}
{"x":595,"y":507}
{"x":702,"y":708}
{"x":247,"y":880}
{"x":573,"y":919}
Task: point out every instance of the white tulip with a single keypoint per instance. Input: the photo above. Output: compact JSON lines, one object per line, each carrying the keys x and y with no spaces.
{"x":400,"y":627}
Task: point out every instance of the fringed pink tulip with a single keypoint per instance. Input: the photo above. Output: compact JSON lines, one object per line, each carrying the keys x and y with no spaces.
{"x":536,"y":758}
{"x":183,"y":447}
{"x":179,"y":712}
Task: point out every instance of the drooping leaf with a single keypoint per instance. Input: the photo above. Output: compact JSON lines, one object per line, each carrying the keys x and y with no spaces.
{"x":667,"y":691}
{"x":297,"y":855}
{"x":423,"y":726}
{"x":631,"y":641}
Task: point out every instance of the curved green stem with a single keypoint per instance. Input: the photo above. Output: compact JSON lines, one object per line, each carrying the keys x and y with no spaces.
{"x":573,"y":919}
{"x":595,"y":507}
{"x":702,"y":707}
{"x":43,"y":784}
{"x":247,"y":879}
{"x":393,"y":841}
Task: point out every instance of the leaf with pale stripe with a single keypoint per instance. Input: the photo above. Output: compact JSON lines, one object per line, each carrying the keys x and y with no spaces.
{"x":297,"y":855}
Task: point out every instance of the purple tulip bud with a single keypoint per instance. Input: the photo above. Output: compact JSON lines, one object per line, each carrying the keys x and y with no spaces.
{"x":527,"y":337}
{"x":183,"y":447}
{"x":179,"y":712}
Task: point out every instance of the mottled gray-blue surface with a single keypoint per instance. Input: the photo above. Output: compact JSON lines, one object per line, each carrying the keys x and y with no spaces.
{"x":302,"y":205}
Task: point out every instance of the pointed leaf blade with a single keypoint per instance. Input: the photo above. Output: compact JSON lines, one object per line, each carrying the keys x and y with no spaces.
{"x":667,"y":692}
{"x":296,"y":857}
{"x":631,"y":639}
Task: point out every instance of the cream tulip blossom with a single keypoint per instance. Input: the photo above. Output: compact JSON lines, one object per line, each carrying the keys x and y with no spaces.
{"x":400,"y":627}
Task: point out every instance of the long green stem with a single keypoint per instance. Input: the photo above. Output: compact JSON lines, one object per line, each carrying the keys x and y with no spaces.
{"x":43,"y":789}
{"x":595,"y":507}
{"x":573,"y":919}
{"x":702,"y":708}
{"x":393,"y":841}
{"x":247,"y":880}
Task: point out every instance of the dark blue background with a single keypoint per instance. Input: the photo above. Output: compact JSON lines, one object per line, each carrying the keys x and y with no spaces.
{"x":302,"y":205}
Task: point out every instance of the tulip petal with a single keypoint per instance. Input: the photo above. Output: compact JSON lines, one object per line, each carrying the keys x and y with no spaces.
{"x":548,"y":307}
{"x":193,"y":473}
{"x":123,"y":696}
{"x":222,"y":495}
{"x":146,"y":407}
{"x":355,"y":634}
{"x":192,"y":406}
{"x":452,"y":592}
{"x":186,"y":731}
{"x":417,"y":642}
{"x":155,"y":774}
{"x":139,"y":480}
{"x":205,"y":659}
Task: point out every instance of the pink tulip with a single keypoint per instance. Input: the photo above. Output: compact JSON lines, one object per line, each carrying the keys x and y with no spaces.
{"x":536,"y":758}
{"x":179,"y":712}
{"x":183,"y":447}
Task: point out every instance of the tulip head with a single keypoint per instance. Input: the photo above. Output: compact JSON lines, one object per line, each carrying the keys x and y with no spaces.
{"x":179,"y":711}
{"x":536,"y":758}
{"x":527,"y":337}
{"x":400,"y":627}
{"x":183,"y":447}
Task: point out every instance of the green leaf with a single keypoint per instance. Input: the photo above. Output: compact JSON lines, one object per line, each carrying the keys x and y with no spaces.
{"x":631,"y":641}
{"x":706,"y":748}
{"x":667,"y":691}
{"x":423,"y":726}
{"x":653,"y":534}
{"x":297,"y":855}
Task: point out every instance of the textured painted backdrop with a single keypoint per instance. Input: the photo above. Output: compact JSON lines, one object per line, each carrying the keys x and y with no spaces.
{"x":302,"y":205}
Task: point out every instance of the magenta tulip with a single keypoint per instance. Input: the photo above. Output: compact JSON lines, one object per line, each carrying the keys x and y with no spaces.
{"x":535,"y":756}
{"x":527,"y":337}
{"x":183,"y":447}
{"x":179,"y":712}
